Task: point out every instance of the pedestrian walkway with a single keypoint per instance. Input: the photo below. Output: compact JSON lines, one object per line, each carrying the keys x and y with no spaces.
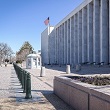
{"x":6,"y":89}
{"x":12,"y":98}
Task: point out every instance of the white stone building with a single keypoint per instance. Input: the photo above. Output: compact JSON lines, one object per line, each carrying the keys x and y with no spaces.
{"x":82,"y":36}
{"x":45,"y":44}
{"x":33,"y":61}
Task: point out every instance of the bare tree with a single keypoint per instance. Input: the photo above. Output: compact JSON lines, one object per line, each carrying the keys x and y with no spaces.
{"x":5,"y":52}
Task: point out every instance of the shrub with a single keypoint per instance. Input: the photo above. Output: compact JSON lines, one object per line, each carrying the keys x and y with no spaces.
{"x":6,"y":60}
{"x":19,"y":61}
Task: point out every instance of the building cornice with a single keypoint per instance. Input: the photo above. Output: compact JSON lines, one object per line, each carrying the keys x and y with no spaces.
{"x":76,"y":10}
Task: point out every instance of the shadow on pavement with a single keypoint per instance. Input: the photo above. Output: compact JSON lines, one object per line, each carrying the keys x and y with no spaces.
{"x":56,"y":67}
{"x":56,"y":101}
{"x":85,"y":69}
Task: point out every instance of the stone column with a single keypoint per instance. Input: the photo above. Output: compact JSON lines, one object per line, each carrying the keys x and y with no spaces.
{"x":57,"y":48}
{"x":63,"y":41}
{"x":109,"y":31}
{"x":54,"y":38}
{"x":61,"y":44}
{"x":96,"y":31}
{"x":104,"y":31}
{"x":78,"y":34}
{"x":68,"y":42}
{"x":37,"y":62}
{"x":76,"y":39}
{"x":31,"y":62}
{"x":80,"y":37}
{"x":49,"y":48}
{"x":64,"y":46}
{"x":90,"y":33}
{"x":72,"y":40}
{"x":84,"y":35}
{"x":57,"y":44}
{"x":59,"y":36}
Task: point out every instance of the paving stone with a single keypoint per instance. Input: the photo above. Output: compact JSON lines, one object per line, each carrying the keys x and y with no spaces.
{"x":42,"y":87}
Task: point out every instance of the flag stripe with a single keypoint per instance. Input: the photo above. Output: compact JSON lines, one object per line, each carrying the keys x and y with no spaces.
{"x":46,"y":21}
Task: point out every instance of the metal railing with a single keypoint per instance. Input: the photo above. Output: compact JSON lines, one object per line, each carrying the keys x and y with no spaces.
{"x":25,"y":80}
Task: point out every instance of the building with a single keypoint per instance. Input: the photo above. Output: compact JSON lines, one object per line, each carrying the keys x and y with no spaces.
{"x":33,"y":61}
{"x":83,"y":36}
{"x":45,"y":44}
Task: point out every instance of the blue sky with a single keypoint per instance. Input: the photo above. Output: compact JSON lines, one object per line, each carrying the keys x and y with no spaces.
{"x":23,"y":20}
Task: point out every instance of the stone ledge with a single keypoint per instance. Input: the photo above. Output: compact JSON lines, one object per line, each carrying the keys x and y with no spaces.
{"x":82,"y":96}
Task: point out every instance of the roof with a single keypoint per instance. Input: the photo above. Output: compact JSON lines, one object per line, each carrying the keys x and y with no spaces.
{"x":33,"y":55}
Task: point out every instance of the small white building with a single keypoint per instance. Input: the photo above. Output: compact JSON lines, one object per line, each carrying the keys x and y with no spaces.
{"x":33,"y":61}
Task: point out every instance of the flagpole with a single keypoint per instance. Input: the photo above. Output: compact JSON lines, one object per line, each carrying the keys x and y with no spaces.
{"x":49,"y":26}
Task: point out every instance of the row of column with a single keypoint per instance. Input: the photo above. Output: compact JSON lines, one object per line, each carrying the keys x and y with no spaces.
{"x":85,"y":36}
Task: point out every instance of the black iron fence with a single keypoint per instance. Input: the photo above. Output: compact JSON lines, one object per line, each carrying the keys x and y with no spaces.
{"x":25,"y":80}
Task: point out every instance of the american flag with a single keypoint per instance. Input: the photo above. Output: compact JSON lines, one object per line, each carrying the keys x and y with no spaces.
{"x":46,"y":21}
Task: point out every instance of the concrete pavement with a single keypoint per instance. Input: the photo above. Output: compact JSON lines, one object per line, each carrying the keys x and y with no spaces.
{"x":12,"y":98}
{"x":42,"y":92}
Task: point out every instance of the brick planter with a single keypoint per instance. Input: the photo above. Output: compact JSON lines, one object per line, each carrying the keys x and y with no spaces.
{"x":82,"y":96}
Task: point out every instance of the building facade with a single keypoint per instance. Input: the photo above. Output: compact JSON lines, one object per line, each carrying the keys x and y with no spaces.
{"x":45,"y":45}
{"x":83,"y":36}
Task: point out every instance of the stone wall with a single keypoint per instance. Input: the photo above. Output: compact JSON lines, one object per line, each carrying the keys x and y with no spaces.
{"x":82,"y":96}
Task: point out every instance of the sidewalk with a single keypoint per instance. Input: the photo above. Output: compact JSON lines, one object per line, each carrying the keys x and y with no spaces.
{"x":12,"y":98}
{"x":6,"y":89}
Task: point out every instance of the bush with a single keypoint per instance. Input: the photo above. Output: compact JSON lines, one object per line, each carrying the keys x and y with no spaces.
{"x":19,"y":61}
{"x":6,"y":60}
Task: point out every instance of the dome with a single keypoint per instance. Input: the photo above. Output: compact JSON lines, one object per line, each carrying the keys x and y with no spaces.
{"x":33,"y":55}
